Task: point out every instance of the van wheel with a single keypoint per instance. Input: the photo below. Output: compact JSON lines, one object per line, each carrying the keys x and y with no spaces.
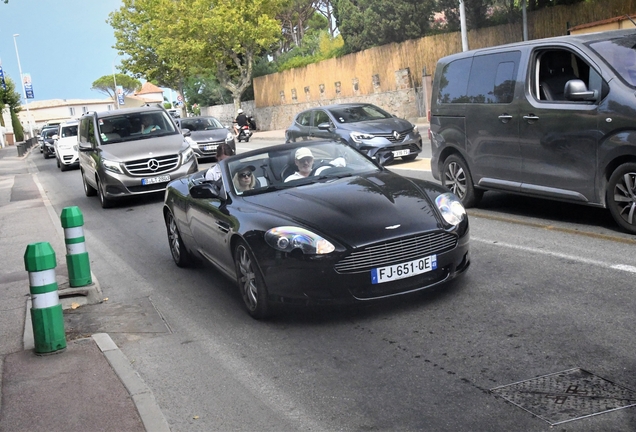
{"x":621,"y":196}
{"x":457,"y":178}
{"x":88,"y":189}
{"x":105,"y":202}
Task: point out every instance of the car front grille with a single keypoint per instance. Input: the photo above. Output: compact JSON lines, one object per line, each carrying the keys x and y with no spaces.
{"x":391,"y":137}
{"x":396,"y":251}
{"x":152,"y":166}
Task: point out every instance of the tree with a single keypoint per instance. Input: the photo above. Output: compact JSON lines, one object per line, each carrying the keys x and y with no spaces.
{"x":9,"y":98}
{"x":367,"y":23}
{"x":106,"y":84}
{"x":168,"y":41}
{"x":476,"y":13}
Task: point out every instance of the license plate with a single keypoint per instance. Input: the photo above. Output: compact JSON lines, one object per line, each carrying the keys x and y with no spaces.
{"x":398,"y":153}
{"x":209,"y":147}
{"x":153,"y":180}
{"x":404,"y":270}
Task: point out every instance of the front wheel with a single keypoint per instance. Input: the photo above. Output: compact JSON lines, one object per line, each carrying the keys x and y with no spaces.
{"x":457,"y":178}
{"x":88,"y":189}
{"x":103,"y":200}
{"x":250,"y":282}
{"x":180,"y":254}
{"x":621,"y":196}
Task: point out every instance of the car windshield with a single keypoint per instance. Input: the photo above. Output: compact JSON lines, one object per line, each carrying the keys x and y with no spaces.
{"x":68,"y":131}
{"x":135,"y":126}
{"x":354,"y":114}
{"x":48,"y":133}
{"x":201,"y":123}
{"x":274,"y":169}
{"x":620,"y":55}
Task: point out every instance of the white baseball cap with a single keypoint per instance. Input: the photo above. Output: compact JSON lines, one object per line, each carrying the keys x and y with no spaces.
{"x":303,"y":152}
{"x":240,"y":111}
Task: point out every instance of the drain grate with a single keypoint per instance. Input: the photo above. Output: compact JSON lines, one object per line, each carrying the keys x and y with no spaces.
{"x":565,"y":396}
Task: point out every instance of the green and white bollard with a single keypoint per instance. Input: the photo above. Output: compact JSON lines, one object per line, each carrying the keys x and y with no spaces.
{"x":46,"y":310}
{"x":79,"y":267}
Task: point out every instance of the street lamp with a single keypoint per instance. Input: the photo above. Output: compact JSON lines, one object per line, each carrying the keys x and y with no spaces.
{"x":23,"y":88}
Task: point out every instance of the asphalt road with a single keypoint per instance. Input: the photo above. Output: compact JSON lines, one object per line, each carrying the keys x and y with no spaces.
{"x":550,"y":288}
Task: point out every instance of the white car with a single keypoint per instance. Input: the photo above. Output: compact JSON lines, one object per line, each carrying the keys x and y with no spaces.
{"x":66,"y":145}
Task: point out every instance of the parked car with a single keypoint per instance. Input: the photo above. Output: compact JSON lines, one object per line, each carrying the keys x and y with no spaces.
{"x":131,"y":152}
{"x":550,"y":118}
{"x":354,"y":232}
{"x":205,"y":134}
{"x":48,"y":143}
{"x":65,"y":145}
{"x":366,"y":127}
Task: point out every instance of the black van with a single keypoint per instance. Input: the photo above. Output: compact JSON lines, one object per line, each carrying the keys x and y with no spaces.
{"x":552,"y":118}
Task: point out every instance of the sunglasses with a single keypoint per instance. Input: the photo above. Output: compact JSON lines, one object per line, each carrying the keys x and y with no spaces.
{"x":245,"y":174}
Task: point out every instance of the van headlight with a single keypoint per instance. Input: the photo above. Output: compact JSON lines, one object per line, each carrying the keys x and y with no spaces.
{"x":359,"y":136}
{"x":113,"y":166}
{"x":288,"y":238}
{"x":451,"y":208}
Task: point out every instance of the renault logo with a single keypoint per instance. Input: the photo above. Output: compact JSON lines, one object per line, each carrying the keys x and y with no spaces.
{"x":153,"y":164}
{"x":396,"y":134}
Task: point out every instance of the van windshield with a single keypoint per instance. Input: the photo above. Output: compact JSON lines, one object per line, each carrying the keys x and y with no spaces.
{"x":135,"y":126}
{"x":620,"y":55}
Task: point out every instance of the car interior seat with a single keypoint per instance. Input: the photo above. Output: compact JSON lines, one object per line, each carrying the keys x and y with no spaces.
{"x":107,"y":131}
{"x":282,"y":165}
{"x":556,"y":70}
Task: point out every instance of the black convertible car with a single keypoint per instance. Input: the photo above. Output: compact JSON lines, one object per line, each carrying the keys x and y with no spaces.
{"x":349,"y":231}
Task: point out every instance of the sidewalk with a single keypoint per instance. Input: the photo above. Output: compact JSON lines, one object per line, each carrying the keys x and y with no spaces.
{"x":90,"y":385}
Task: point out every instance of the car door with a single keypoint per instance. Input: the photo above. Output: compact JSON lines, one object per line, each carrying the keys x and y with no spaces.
{"x":492,"y":119}
{"x":559,"y":138}
{"x":320,"y":116}
{"x":302,"y":125}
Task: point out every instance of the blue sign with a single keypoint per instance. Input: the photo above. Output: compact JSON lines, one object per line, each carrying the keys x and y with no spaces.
{"x":4,"y":85}
{"x":120,"y":95}
{"x":28,"y":87}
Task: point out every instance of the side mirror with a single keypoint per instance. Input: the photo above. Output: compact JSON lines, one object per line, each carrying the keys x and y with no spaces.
{"x":186,"y":132}
{"x":84,"y":147}
{"x":384,"y":157}
{"x":324,"y":126}
{"x":211,"y":190}
{"x":55,"y":137}
{"x":576,"y":90}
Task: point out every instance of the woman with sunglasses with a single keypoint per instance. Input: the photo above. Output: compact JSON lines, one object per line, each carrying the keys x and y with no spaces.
{"x":244,"y":178}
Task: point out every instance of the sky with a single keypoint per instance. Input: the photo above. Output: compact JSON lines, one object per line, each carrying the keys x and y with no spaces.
{"x":64,"y":45}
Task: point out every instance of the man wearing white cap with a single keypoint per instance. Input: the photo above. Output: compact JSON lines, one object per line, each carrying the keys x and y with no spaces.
{"x":304,"y":160}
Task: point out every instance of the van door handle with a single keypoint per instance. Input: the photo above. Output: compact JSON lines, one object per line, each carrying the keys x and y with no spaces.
{"x":531,"y":118}
{"x":505,"y":118}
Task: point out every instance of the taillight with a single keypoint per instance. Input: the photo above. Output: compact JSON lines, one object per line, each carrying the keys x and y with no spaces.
{"x":428,"y":117}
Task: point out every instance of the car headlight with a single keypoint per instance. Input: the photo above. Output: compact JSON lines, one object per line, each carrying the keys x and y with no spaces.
{"x":229,"y":137}
{"x":288,"y":238}
{"x":186,"y":155}
{"x":359,"y":136}
{"x":451,"y":208}
{"x":113,"y":166}
{"x":415,"y":130}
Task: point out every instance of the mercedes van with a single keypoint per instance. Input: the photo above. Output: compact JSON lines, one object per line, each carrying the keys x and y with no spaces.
{"x":552,"y":118}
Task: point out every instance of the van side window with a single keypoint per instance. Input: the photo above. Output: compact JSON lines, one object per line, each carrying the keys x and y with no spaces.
{"x":554,"y":68}
{"x":454,"y":82}
{"x":493,"y":78}
{"x":91,"y":132}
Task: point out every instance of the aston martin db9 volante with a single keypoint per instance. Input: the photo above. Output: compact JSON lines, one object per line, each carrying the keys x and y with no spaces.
{"x":317,"y":222}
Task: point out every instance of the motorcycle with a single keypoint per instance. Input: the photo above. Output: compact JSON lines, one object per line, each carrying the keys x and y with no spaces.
{"x":244,"y":134}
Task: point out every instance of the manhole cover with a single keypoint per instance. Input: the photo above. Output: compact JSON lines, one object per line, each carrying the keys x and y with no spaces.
{"x":565,"y":396}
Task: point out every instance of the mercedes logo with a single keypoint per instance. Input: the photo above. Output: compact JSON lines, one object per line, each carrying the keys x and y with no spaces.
{"x":153,"y":164}
{"x":396,"y":134}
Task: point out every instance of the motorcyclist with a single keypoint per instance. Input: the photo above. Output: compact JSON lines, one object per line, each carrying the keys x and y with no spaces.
{"x":240,"y":121}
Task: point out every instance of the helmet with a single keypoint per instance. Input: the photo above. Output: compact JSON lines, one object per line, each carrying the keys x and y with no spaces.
{"x":240,"y":111}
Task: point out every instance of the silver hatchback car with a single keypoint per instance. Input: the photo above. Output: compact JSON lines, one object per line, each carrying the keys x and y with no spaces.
{"x":131,"y":151}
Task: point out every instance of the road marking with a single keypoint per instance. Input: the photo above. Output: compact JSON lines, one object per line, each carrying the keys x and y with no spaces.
{"x":622,"y":267}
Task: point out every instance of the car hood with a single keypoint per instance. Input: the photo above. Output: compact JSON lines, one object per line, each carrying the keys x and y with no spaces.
{"x":209,"y":135}
{"x":378,"y":126}
{"x":144,"y":148}
{"x":357,"y":210}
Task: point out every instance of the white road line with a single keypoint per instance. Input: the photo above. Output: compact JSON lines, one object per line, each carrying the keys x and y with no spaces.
{"x":622,"y":267}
